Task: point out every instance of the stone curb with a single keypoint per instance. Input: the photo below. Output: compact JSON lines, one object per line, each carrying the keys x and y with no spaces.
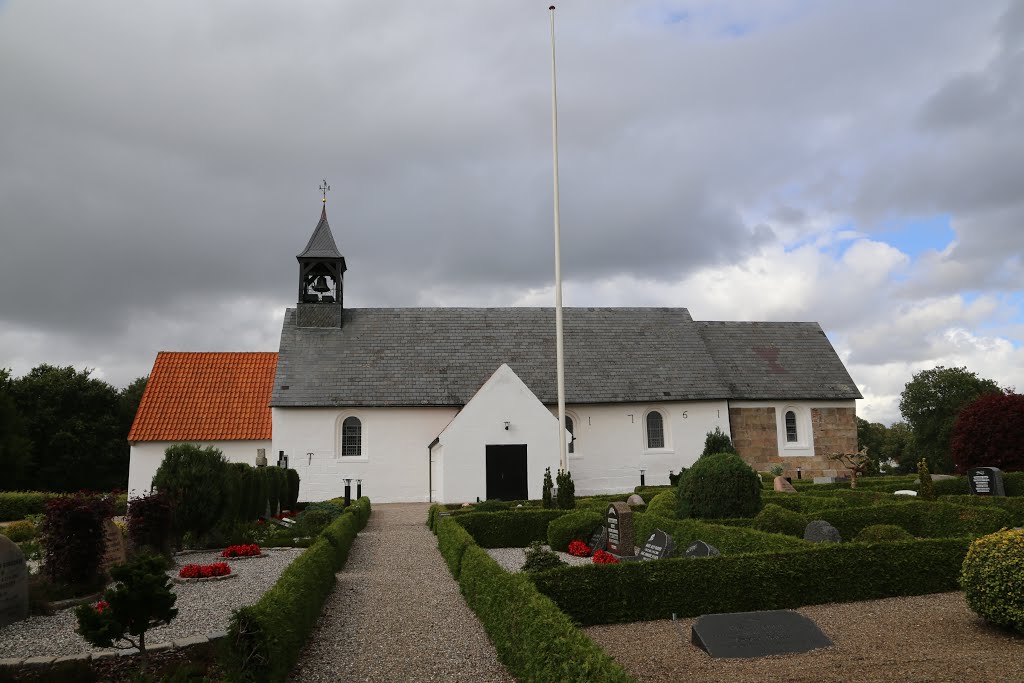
{"x":50,"y":660}
{"x":202,"y":579}
{"x":73,"y":602}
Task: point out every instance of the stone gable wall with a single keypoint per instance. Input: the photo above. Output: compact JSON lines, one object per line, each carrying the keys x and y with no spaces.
{"x":756,"y":439}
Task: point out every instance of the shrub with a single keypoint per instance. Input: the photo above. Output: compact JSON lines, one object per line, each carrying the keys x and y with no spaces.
{"x":717,"y":442}
{"x":566,"y":490}
{"x":921,"y":518}
{"x":539,"y":559}
{"x":21,"y":531}
{"x":1013,"y":506}
{"x":20,"y":504}
{"x":150,"y":521}
{"x":332,"y":509}
{"x":926,"y":490}
{"x":663,"y":505}
{"x":545,"y":493}
{"x":576,"y":525}
{"x":778,"y":520}
{"x":452,"y":541}
{"x":729,"y":540}
{"x":73,"y":537}
{"x":883,"y":533}
{"x":194,"y":478}
{"x":509,"y":528}
{"x":719,"y":485}
{"x":493,"y":505}
{"x":993,"y":578}
{"x":293,"y":488}
{"x":988,"y":432}
{"x":142,"y":598}
{"x":312,"y":522}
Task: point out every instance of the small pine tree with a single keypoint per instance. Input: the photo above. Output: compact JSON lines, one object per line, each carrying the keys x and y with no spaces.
{"x":927,"y":488}
{"x":566,"y":490}
{"x":717,"y":442}
{"x":546,"y":501}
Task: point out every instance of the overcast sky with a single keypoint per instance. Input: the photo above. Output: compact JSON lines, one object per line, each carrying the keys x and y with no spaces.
{"x":857,"y":163}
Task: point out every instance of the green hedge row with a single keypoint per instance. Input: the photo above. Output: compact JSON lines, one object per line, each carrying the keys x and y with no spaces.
{"x":508,"y":528}
{"x":728,"y":539}
{"x":534,"y":639}
{"x":15,"y":505}
{"x":452,"y":541}
{"x":264,"y":639}
{"x":921,"y":518}
{"x":815,"y":574}
{"x":1013,"y":484}
{"x":1014,"y":505}
{"x":648,"y":492}
{"x":663,"y":504}
{"x":577,"y":524}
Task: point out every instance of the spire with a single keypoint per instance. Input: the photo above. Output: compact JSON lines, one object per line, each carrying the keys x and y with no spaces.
{"x":321,"y":244}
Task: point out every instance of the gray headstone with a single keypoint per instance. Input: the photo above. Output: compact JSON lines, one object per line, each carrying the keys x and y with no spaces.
{"x":599,"y":539}
{"x":635,"y":500}
{"x":756,"y":634}
{"x":701,"y":549}
{"x":986,"y":481}
{"x":658,"y":546}
{"x":820,"y":531}
{"x":620,"y":530}
{"x":824,"y":480}
{"x":13,"y":583}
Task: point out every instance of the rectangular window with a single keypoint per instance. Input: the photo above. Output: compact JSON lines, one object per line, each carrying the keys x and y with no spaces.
{"x":791,"y":435}
{"x":351,"y":438}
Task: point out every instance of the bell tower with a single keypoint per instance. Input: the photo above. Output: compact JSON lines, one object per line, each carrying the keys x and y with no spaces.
{"x":321,"y":274}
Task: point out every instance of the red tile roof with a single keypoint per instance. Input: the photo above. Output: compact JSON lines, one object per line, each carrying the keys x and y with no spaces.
{"x":206,"y":397}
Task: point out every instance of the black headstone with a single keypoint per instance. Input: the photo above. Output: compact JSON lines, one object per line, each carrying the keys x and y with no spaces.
{"x":756,"y":634}
{"x":701,"y":549}
{"x":599,"y":539}
{"x":820,"y":531}
{"x":986,"y":481}
{"x":658,"y":546}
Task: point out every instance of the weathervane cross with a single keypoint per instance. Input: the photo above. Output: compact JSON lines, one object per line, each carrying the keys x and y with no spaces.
{"x":324,"y":187}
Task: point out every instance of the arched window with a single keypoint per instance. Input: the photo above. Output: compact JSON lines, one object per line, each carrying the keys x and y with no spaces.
{"x":655,"y":430}
{"x":351,"y":437}
{"x":791,"y":433}
{"x":571,"y":428}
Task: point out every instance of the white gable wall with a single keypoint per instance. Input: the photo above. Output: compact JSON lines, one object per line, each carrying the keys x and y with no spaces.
{"x":145,"y":457}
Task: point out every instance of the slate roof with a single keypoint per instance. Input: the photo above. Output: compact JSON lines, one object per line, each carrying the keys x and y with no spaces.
{"x":321,"y":243}
{"x":441,"y":357}
{"x":206,"y":397}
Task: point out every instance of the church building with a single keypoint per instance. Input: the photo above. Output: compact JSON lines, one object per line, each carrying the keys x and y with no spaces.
{"x":456,"y":404}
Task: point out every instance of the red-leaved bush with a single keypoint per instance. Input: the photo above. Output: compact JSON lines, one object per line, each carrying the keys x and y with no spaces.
{"x":73,"y":537}
{"x":204,"y":571}
{"x":989,"y":432}
{"x":250,"y":550}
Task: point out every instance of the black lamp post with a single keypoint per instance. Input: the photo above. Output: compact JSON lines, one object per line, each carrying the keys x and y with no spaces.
{"x":359,"y":489}
{"x":348,"y":492}
{"x":642,"y":477}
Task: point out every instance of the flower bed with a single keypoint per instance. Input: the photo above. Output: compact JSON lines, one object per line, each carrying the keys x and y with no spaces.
{"x":579,"y":549}
{"x":198,"y":572}
{"x":242,"y":551}
{"x":601,"y":557}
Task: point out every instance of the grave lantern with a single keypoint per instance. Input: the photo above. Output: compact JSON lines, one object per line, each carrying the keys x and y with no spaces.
{"x":359,"y":489}
{"x":348,"y":492}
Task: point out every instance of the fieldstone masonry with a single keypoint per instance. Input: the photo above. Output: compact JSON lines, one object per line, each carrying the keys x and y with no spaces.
{"x":756,"y":439}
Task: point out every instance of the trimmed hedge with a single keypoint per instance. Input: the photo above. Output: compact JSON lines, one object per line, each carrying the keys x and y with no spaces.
{"x":452,"y":541}
{"x":663,"y":504}
{"x":432,"y":514}
{"x":534,"y":639}
{"x":728,"y":539}
{"x":264,"y":639}
{"x":577,"y":524}
{"x":775,"y":519}
{"x":648,"y":492}
{"x":19,"y":504}
{"x":815,"y":574}
{"x":921,"y":518}
{"x":798,"y":502}
{"x":1014,"y":506}
{"x":1013,"y":483}
{"x":508,"y":528}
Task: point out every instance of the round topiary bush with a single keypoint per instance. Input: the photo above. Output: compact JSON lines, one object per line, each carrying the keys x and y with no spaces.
{"x":882,"y":533}
{"x":992,"y":578}
{"x":575,"y":525}
{"x":663,"y":505}
{"x":776,"y":519}
{"x":719,"y":486}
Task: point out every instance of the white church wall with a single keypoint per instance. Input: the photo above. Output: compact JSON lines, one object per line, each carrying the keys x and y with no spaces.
{"x":145,"y":457}
{"x":393,"y":465}
{"x":611,"y":442}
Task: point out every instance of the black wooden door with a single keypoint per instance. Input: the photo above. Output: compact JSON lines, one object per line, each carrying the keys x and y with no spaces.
{"x":506,"y":472}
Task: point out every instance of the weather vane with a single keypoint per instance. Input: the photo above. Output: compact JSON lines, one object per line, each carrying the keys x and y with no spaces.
{"x":325,"y":188}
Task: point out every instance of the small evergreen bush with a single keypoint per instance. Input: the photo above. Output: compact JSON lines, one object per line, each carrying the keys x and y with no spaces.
{"x":719,"y":486}
{"x":776,"y":519}
{"x":546,"y":501}
{"x":312,"y":522}
{"x":566,"y":490}
{"x":926,"y":490}
{"x":19,"y":532}
{"x":150,"y":523}
{"x":992,"y":578}
{"x":73,"y":538}
{"x":330,"y":508}
{"x":293,"y":488}
{"x":576,"y":525}
{"x":663,"y":505}
{"x":883,"y":533}
{"x":717,"y":442}
{"x":539,"y":559}
{"x":194,"y":478}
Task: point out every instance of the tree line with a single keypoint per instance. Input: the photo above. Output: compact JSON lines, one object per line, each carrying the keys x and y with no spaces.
{"x":63,"y":430}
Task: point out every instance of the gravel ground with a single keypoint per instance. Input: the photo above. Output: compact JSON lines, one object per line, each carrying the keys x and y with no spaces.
{"x":396,"y":613}
{"x":512,"y":559}
{"x":934,"y":638}
{"x":203,"y":607}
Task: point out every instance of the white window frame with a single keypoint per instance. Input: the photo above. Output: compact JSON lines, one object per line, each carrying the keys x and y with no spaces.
{"x":803,"y":428}
{"x":339,"y":425}
{"x":665,"y":429}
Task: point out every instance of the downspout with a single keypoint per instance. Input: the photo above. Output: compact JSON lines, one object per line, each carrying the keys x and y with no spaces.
{"x":430,"y":471}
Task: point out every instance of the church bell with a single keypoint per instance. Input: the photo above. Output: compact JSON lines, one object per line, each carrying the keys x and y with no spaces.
{"x":321,"y":285}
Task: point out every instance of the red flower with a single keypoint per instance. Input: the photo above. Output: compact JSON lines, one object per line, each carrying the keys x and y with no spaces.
{"x":204,"y":571}
{"x":101,"y":606}
{"x":579,"y":549}
{"x":250,"y":550}
{"x":601,"y":557}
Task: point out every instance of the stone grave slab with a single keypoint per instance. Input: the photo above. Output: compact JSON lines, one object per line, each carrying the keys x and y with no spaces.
{"x":780,"y":484}
{"x":658,"y":546}
{"x":820,"y":531}
{"x":115,"y":550}
{"x":635,"y":500}
{"x":598,"y":539}
{"x":13,"y":583}
{"x":701,"y":549}
{"x":621,"y":541}
{"x":756,"y":634}
{"x":986,"y":481}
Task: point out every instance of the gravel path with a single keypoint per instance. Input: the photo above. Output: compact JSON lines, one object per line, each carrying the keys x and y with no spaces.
{"x":396,"y":613}
{"x":203,"y":607}
{"x":934,"y":638}
{"x":513,"y":559}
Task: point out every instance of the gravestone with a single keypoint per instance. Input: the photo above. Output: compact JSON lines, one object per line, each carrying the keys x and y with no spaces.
{"x":986,"y":481}
{"x":783,"y":485}
{"x":659,"y":545}
{"x":820,"y":531}
{"x":599,"y":539}
{"x":13,"y":583}
{"x":904,"y":492}
{"x":635,"y":500}
{"x":756,"y":634}
{"x":824,"y":480}
{"x":620,"y":530}
{"x":701,"y":549}
{"x":115,"y":550}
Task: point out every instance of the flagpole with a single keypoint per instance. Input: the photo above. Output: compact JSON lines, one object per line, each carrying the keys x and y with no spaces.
{"x":559,"y":345}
